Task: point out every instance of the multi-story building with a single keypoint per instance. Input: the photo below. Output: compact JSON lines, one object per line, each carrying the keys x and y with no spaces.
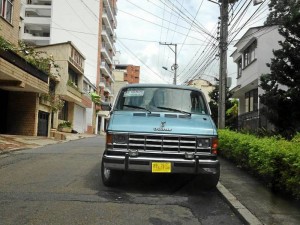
{"x":125,"y":74}
{"x":55,"y":21}
{"x":21,"y":83}
{"x":106,"y":44}
{"x":132,"y":74}
{"x":70,"y":64}
{"x":120,"y":81}
{"x":253,"y":51}
{"x":36,"y":25}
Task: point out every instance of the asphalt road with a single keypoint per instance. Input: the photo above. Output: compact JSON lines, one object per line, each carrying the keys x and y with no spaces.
{"x":61,"y":184}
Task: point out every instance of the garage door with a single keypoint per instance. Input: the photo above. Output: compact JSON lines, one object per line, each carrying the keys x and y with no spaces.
{"x":43,"y":123}
{"x":79,"y":119}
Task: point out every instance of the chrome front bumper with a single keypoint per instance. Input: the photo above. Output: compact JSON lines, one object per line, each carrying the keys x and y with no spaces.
{"x":144,"y":164}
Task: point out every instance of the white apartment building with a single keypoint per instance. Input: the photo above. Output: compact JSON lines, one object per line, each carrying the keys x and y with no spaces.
{"x":253,"y":51}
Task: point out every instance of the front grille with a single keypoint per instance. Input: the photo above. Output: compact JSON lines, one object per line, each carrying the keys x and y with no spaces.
{"x":161,"y":143}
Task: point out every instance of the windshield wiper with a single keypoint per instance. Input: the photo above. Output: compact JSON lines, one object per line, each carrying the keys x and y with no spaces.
{"x":175,"y":110}
{"x":137,"y":107}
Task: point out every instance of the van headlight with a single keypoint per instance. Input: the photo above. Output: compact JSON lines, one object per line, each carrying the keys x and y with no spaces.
{"x":120,"y":138}
{"x":203,"y":143}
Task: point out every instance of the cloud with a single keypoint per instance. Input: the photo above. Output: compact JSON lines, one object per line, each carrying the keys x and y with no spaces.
{"x":191,"y":24}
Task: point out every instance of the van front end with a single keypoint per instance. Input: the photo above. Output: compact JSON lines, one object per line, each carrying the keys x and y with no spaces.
{"x":161,"y":153}
{"x":160,"y":129}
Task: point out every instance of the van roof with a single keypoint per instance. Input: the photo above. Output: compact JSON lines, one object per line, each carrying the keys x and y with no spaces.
{"x":163,"y":86}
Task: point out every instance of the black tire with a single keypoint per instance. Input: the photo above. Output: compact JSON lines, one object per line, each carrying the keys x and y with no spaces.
{"x":209,"y":181}
{"x":110,"y":177}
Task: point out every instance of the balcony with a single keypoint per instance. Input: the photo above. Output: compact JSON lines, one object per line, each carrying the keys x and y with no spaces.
{"x":107,"y":88}
{"x":73,"y":95}
{"x":102,"y":82}
{"x":76,"y":65}
{"x":37,"y":23}
{"x":107,"y":35}
{"x":40,"y":2}
{"x":36,"y":33}
{"x":38,"y":11}
{"x":108,"y":6}
{"x":24,"y":65}
{"x":19,"y":75}
{"x":106,"y":71}
{"x":108,"y":20}
{"x":106,"y":52}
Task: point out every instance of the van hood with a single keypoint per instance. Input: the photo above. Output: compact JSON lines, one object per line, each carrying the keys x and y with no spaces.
{"x":166,"y":123}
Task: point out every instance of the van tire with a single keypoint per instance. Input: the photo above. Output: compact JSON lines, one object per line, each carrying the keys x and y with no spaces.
{"x":110,"y":177}
{"x":210,"y":181}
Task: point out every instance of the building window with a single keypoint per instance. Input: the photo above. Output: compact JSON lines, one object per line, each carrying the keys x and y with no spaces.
{"x":239,"y":68}
{"x":251,"y":100}
{"x":63,"y":113}
{"x":6,"y":9}
{"x":52,"y":85}
{"x":73,"y":77}
{"x":249,"y":54}
{"x":76,"y":57}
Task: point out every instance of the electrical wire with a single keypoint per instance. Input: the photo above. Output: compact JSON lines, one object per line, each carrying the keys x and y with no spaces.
{"x":158,"y":75}
{"x":158,"y":25}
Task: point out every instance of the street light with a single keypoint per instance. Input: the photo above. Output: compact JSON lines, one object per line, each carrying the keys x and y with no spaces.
{"x":175,"y":65}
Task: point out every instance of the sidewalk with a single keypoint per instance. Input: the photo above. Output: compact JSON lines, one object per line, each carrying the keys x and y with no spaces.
{"x":253,"y":201}
{"x":250,"y":199}
{"x":9,"y":143}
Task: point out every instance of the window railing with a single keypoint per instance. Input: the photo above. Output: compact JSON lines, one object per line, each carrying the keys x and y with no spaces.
{"x":249,"y":120}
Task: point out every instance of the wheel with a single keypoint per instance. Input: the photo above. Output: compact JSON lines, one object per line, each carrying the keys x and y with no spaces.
{"x":110,"y":177}
{"x":209,"y":181}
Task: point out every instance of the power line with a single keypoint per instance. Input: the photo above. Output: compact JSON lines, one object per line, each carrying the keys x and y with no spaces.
{"x":158,"y":25}
{"x":190,"y":26}
{"x":141,"y":61}
{"x":153,"y":41}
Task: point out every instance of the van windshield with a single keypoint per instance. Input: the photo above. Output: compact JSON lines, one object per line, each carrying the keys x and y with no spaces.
{"x":161,"y":100}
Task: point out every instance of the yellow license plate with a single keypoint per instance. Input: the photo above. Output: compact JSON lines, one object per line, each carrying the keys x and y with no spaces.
{"x":161,"y":167}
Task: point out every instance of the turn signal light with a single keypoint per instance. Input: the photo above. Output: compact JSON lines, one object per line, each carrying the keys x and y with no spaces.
{"x":109,"y":138}
{"x":214,"y":146}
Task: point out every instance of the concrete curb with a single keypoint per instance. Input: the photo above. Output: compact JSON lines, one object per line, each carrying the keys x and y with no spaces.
{"x":238,"y":207}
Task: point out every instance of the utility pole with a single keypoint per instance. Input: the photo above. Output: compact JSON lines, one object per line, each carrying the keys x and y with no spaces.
{"x":223,"y":63}
{"x":223,"y":57}
{"x":174,"y":66}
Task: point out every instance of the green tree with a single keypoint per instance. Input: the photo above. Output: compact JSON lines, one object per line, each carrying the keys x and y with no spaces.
{"x":282,"y":85}
{"x":231,"y":116}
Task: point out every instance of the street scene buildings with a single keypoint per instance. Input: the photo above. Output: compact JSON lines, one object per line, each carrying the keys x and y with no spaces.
{"x":76,"y":70}
{"x":62,"y":66}
{"x":80,"y":68}
{"x":253,"y":51}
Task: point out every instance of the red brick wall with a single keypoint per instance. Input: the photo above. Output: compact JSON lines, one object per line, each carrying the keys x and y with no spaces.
{"x":133,"y":74}
{"x":22,"y":116}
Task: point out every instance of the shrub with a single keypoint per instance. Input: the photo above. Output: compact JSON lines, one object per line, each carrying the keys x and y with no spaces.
{"x":65,"y":124}
{"x":275,"y":160}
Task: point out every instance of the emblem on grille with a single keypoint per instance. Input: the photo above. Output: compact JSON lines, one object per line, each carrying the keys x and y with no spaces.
{"x":162,"y":127}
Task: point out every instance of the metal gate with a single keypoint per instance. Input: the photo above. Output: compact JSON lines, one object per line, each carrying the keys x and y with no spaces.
{"x":43,"y":123}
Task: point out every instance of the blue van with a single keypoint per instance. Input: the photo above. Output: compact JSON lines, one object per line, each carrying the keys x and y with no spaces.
{"x":160,"y":129}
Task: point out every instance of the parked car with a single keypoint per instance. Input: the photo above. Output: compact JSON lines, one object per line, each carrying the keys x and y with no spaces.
{"x":160,"y":129}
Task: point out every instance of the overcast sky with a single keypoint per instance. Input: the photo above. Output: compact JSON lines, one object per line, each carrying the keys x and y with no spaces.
{"x":191,"y":24}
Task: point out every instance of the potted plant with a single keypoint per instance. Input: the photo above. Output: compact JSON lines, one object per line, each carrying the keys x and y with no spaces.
{"x":65,"y":126}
